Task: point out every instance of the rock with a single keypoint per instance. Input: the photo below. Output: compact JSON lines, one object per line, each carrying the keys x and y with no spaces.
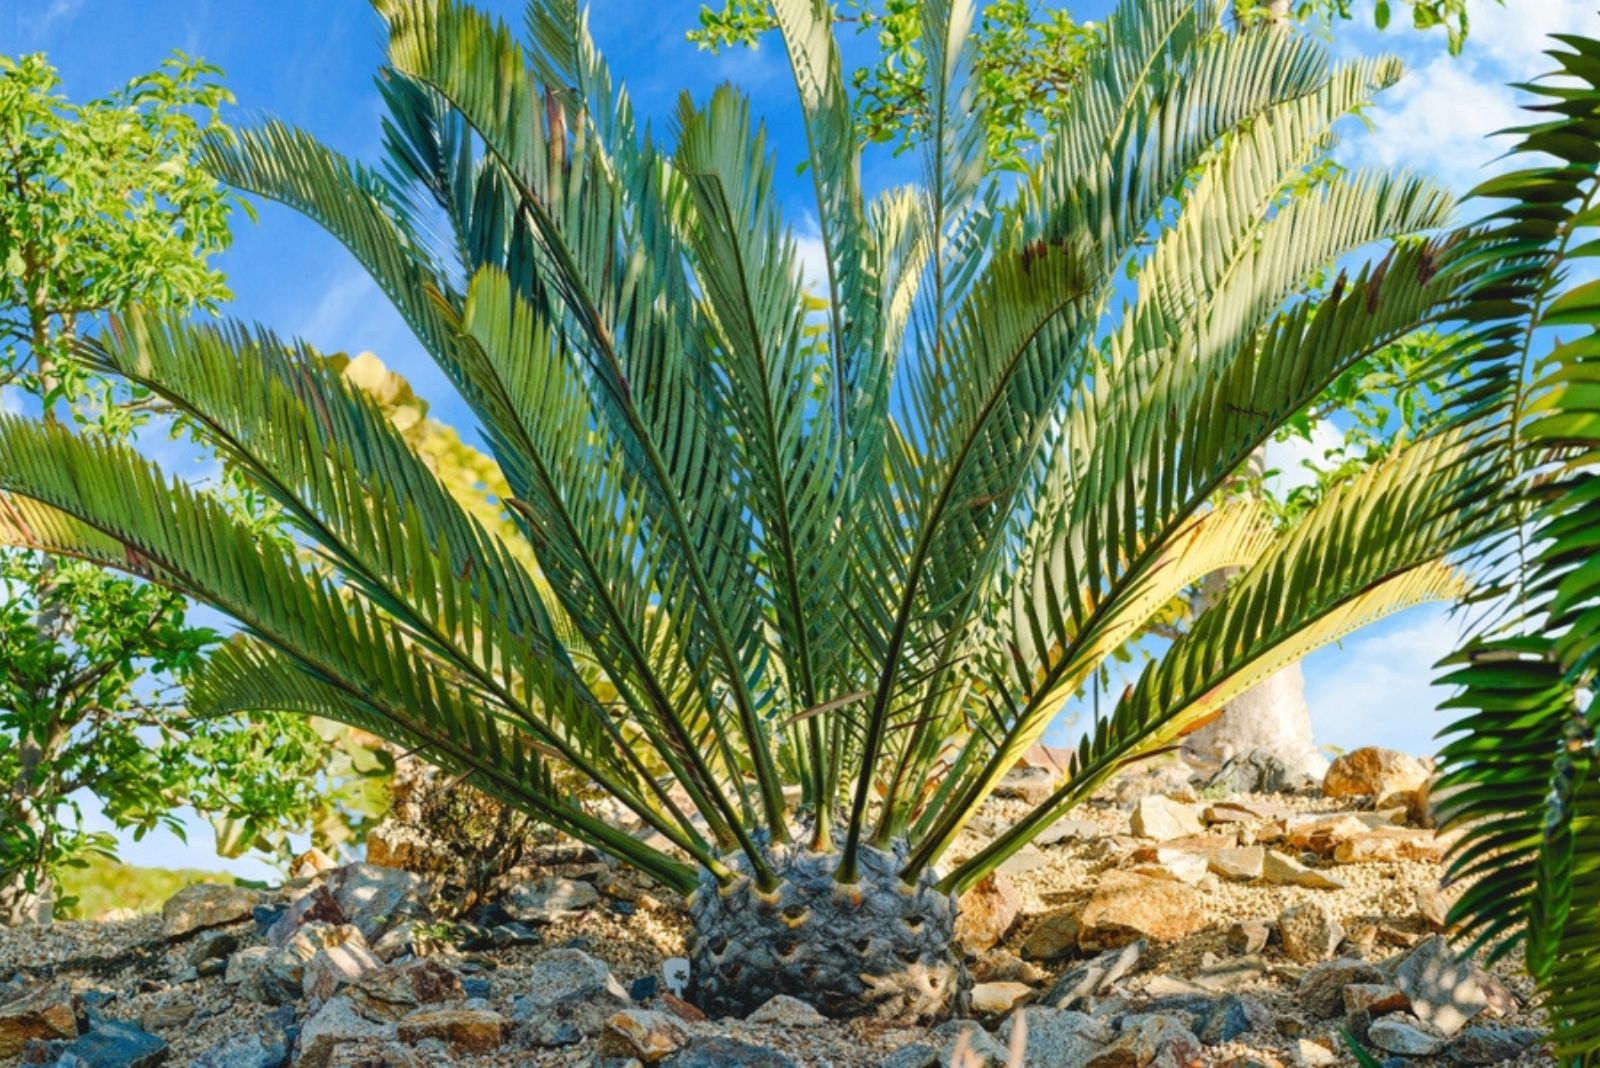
{"x":245,"y":963}
{"x":727,"y":1053}
{"x":311,"y":863}
{"x":376,"y":1053}
{"x":1065,"y":830}
{"x":1003,"y":966}
{"x":1249,"y":936}
{"x":397,"y":990}
{"x":1309,"y":1054}
{"x":1374,"y":999}
{"x":1162,"y":818}
{"x":569,"y":994}
{"x":168,"y":1015}
{"x":1491,"y":1045}
{"x":1281,"y":870}
{"x":44,"y":1012}
{"x":650,"y":1036}
{"x":1234,"y":973}
{"x":115,"y":1044}
{"x":1373,"y":772}
{"x":1405,"y":1035}
{"x":212,"y":945}
{"x":548,"y":900}
{"x":1433,"y":905}
{"x":1024,"y":860}
{"x":401,"y":939}
{"x":986,"y":912}
{"x":462,"y":1030}
{"x":1389,"y":844}
{"x":1241,"y":865}
{"x":204,"y":905}
{"x":1321,"y":990}
{"x":1259,"y":771}
{"x":785,"y":1011}
{"x":997,"y":999}
{"x":246,"y":1051}
{"x":317,"y":905}
{"x":1443,"y":989}
{"x":281,"y":976}
{"x":376,"y":898}
{"x":682,"y":1009}
{"x":1174,"y":864}
{"x":1093,"y":977}
{"x":964,"y":1044}
{"x":1056,"y":1038}
{"x":334,"y":1025}
{"x":1054,"y":935}
{"x":1126,"y":907}
{"x":912,"y":1055}
{"x":1502,"y":1002}
{"x":1155,"y":1041}
{"x":1230,"y":1016}
{"x":331,"y":968}
{"x":1309,"y":932}
{"x":1032,"y":785}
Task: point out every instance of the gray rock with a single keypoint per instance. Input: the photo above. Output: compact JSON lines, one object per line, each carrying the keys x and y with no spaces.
{"x":785,"y":1011}
{"x":375,"y":898}
{"x":1154,"y":1041}
{"x":1093,"y":976}
{"x":1443,"y":989}
{"x":1056,"y":1038}
{"x":1321,"y":990}
{"x":568,"y":992}
{"x":335,"y":1024}
{"x":1491,"y":1045}
{"x":1260,"y":771}
{"x":245,"y":962}
{"x":1230,"y":1016}
{"x":963,"y":1044}
{"x":549,"y":900}
{"x":1065,"y":830}
{"x":1405,"y":1035}
{"x":117,"y":1044}
{"x":246,"y":1051}
{"x":913,"y":1055}
{"x":204,"y":905}
{"x":727,"y":1053}
{"x":213,"y":945}
{"x":317,"y":905}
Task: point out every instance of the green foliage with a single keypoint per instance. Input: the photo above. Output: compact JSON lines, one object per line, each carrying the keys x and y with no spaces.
{"x":1026,"y":60}
{"x":103,"y":205}
{"x":1520,"y":777}
{"x":866,"y":542}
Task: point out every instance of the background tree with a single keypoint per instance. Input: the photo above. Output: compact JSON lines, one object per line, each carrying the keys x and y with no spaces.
{"x":1027,"y":59}
{"x":101,"y":206}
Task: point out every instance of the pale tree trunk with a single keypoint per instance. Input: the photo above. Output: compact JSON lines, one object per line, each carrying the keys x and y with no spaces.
{"x":1272,"y":715}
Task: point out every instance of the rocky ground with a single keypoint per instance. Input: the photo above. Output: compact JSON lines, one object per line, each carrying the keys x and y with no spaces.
{"x":1175,"y":921}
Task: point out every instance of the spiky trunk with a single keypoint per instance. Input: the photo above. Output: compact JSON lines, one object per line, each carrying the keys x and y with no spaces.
{"x":878,"y":947}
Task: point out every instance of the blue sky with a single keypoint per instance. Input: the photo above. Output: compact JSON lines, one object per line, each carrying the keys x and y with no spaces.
{"x":311,"y":63}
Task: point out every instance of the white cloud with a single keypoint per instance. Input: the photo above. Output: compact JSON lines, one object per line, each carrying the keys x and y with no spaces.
{"x":1289,"y":458}
{"x":1441,"y":116}
{"x":813,"y":258}
{"x":1377,"y":687}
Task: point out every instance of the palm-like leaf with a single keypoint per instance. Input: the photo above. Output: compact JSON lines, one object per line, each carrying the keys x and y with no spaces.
{"x":1520,"y":776}
{"x":869,"y":547}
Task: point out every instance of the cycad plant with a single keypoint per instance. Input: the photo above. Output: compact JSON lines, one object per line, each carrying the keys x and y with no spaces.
{"x":1520,"y":776}
{"x":861,"y":540}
